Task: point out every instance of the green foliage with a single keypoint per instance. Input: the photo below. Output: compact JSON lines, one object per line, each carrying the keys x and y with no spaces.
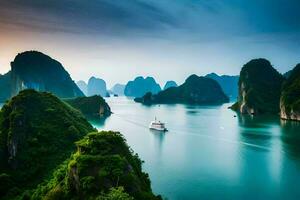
{"x":37,"y":132}
{"x":290,"y":96}
{"x":195,"y":90}
{"x":102,"y":168}
{"x":261,"y":84}
{"x":116,"y":194}
{"x":90,"y":106}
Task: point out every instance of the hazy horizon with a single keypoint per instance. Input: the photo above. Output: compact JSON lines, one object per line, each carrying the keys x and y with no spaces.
{"x":169,"y":40}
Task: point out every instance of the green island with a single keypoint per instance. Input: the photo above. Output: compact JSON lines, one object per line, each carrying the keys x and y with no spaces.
{"x":92,"y":106}
{"x":259,"y":88}
{"x":195,"y":90}
{"x":39,"y":135}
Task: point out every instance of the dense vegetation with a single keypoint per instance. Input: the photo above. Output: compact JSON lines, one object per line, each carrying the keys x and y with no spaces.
{"x":290,"y":96}
{"x":37,"y":132}
{"x":90,"y":106}
{"x":259,"y":88}
{"x":102,"y":167}
{"x":5,"y":86}
{"x":195,"y":90}
{"x":35,"y":70}
{"x":140,"y":86}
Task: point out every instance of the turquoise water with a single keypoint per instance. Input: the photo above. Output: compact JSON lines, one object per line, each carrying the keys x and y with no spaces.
{"x":210,"y":154}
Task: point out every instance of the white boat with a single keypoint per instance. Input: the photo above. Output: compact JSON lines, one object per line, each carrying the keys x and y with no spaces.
{"x":157,"y":125}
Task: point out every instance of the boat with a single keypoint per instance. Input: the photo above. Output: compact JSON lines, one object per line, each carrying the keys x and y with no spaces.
{"x":157,"y":125}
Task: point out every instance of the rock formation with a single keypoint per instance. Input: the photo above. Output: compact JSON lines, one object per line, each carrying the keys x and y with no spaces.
{"x":259,"y":88}
{"x":35,"y":70}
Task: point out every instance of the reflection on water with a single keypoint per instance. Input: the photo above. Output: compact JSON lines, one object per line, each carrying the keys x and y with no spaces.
{"x":209,"y":153}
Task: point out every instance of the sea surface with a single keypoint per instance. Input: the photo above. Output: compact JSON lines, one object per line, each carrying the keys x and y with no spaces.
{"x":209,"y":152}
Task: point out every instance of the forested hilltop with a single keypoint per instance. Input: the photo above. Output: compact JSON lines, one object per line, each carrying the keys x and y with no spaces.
{"x":38,"y":132}
{"x":259,"y":88}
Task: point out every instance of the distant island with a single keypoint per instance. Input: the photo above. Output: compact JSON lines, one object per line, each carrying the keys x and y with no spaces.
{"x":96,"y":86}
{"x":83,"y":87}
{"x":39,"y":132}
{"x":170,"y":84}
{"x":118,"y":89}
{"x":195,"y":90}
{"x":259,"y":88}
{"x":228,"y":83}
{"x":140,"y":86}
{"x":35,"y":70}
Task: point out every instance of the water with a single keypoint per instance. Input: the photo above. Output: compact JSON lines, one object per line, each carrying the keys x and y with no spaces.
{"x":210,"y":154}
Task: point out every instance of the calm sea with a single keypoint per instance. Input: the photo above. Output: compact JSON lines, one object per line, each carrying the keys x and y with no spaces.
{"x":209,"y":153}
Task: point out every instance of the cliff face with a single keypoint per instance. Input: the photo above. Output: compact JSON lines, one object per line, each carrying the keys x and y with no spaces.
{"x":35,"y":70}
{"x":195,"y":90}
{"x":259,"y":88}
{"x":140,"y":86}
{"x":290,"y":96}
{"x":96,"y":86}
{"x":37,"y":132}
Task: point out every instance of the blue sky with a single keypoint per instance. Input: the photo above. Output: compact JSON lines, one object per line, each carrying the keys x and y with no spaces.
{"x":169,"y":39}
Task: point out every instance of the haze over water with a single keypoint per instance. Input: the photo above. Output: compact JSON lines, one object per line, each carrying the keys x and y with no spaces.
{"x":210,"y":154}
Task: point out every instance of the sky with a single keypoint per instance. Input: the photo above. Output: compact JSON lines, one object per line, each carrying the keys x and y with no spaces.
{"x":117,"y":40}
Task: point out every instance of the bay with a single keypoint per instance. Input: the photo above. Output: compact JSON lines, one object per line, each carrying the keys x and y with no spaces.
{"x":209,"y":153}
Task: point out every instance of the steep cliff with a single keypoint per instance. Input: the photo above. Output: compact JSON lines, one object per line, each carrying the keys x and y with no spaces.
{"x":290,"y":96}
{"x":259,"y":88}
{"x":195,"y":90}
{"x":35,"y":70}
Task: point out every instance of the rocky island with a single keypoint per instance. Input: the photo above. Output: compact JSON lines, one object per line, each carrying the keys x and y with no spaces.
{"x":90,"y":106}
{"x":195,"y":90}
{"x":290,"y":96}
{"x":259,"y":88}
{"x":35,"y":70}
{"x":140,"y":86}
